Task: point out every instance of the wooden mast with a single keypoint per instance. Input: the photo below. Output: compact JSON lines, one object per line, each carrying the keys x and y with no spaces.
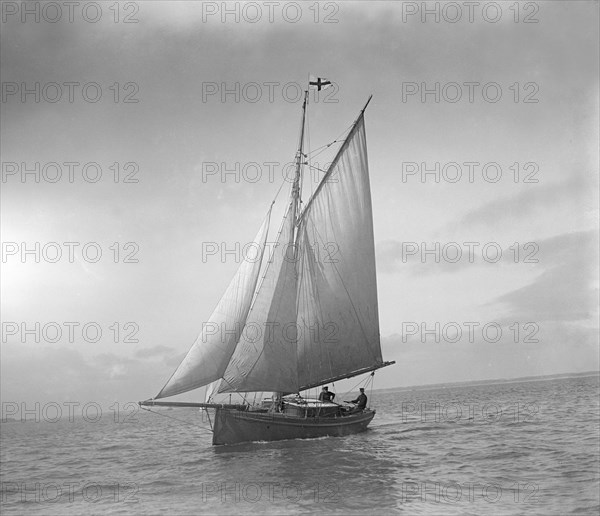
{"x":299,"y":162}
{"x":295,"y":195}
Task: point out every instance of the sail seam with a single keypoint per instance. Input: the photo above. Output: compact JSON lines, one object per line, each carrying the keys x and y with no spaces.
{"x":351,"y":303}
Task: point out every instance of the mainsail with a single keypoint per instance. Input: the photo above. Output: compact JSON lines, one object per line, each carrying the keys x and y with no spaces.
{"x":207,"y":359}
{"x":337,"y":301}
{"x":314,"y":318}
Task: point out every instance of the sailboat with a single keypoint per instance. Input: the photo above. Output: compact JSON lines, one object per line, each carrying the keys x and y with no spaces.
{"x":311,"y":320}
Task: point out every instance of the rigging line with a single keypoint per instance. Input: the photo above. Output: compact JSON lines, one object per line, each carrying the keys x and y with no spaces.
{"x":316,"y":168}
{"x":321,"y":149}
{"x":371,"y":386}
{"x":337,"y":139}
{"x":269,"y":263}
{"x":364,"y":380}
{"x":177,"y":419}
{"x":283,"y":181}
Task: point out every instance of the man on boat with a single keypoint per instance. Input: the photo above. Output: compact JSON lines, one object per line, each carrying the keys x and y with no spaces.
{"x":361,"y":401}
{"x":326,"y":395}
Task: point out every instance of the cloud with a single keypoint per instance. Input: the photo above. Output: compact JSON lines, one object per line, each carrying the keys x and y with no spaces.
{"x":530,"y":201}
{"x":63,"y":374}
{"x":567,"y":290}
{"x":154,"y":352}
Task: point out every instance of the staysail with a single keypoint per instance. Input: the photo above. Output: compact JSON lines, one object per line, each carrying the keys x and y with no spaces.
{"x":265,"y":358}
{"x":207,"y":359}
{"x":338,"y":317}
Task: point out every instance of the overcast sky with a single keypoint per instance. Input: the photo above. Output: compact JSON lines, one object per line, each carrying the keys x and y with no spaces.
{"x":175,"y":62}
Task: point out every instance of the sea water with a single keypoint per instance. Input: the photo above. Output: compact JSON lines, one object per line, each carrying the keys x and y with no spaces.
{"x":506,"y":448}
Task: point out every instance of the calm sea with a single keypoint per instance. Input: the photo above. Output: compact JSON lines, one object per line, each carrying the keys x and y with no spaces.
{"x":507,"y":448}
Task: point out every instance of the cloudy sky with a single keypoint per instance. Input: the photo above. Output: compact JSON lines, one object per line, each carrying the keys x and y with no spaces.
{"x":515,"y":113}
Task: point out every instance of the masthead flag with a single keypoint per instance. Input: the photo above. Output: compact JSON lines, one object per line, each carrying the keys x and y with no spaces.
{"x":320,"y":83}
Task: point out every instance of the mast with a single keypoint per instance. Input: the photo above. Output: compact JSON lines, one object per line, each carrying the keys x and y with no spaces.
{"x":299,"y":162}
{"x":295,"y":195}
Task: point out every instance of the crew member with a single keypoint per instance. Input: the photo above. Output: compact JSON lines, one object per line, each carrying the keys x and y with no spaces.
{"x":326,"y":395}
{"x":361,"y":401}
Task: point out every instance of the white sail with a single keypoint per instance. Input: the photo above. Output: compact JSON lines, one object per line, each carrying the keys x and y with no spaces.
{"x":265,"y":358}
{"x":337,"y":296}
{"x":207,"y":359}
{"x":314,"y":318}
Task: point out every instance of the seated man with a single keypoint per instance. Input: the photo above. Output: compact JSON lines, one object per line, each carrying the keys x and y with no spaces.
{"x":361,"y":401}
{"x":326,"y":395}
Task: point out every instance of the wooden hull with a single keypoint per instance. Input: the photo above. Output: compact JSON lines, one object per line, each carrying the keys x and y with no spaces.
{"x":235,"y":426}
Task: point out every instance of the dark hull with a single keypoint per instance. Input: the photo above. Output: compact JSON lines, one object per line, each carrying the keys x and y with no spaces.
{"x":235,"y":426}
